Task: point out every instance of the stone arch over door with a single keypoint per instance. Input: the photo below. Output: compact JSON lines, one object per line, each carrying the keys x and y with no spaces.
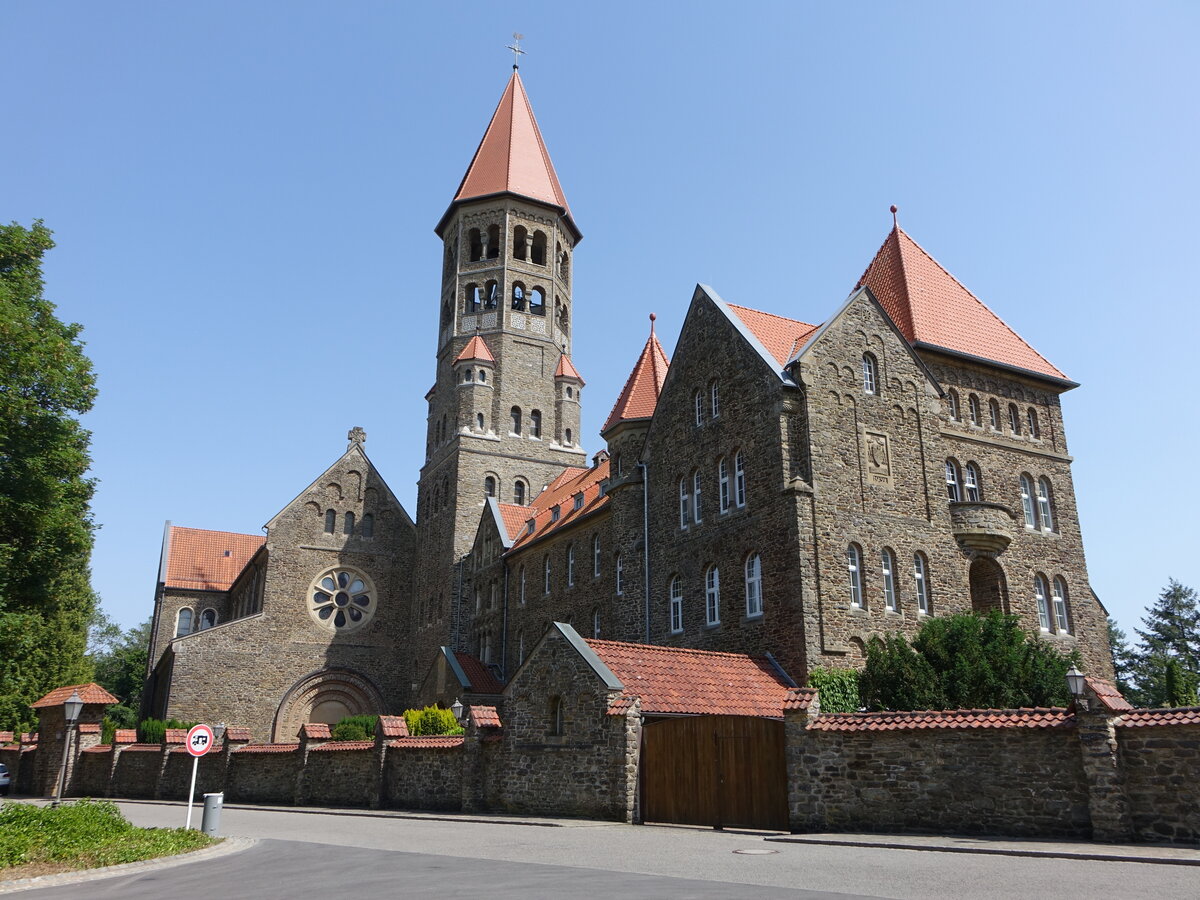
{"x":989,"y":587}
{"x":328,"y":695}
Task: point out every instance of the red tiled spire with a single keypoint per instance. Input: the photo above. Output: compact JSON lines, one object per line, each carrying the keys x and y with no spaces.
{"x":930,"y":306}
{"x":512,"y":157}
{"x":566,"y":369}
{"x":476,"y":348}
{"x":640,"y":394}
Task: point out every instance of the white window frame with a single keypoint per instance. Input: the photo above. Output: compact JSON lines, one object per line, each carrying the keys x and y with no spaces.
{"x":1027,"y":503}
{"x":1061,"y":618}
{"x":570,"y":565}
{"x":888,"y":567}
{"x":619,"y":579}
{"x":697,"y":484}
{"x":714,"y":400}
{"x":994,"y":414}
{"x":870,"y":374}
{"x":975,"y":412}
{"x":1031,"y":421}
{"x":1014,"y":419}
{"x":522,"y":595}
{"x":723,"y":483}
{"x":546,"y":574}
{"x":1045,"y":517}
{"x":699,"y":403}
{"x":952,"y":402}
{"x":676,"y":595}
{"x":596,"y":622}
{"x":596,"y":556}
{"x":854,"y":571}
{"x":685,"y":497}
{"x":712,"y":596}
{"x":921,"y":583}
{"x":1041,"y":594}
{"x":971,"y":481}
{"x":754,"y":597}
{"x":953,"y":490}
{"x":739,"y":480}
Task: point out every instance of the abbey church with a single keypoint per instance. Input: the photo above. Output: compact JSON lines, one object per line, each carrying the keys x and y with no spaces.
{"x":787,"y":487}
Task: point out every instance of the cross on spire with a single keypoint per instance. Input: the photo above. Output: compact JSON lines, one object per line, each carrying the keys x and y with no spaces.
{"x":515,"y":47}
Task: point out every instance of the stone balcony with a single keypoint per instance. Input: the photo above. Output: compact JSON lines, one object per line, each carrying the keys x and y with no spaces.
{"x":982,"y":527}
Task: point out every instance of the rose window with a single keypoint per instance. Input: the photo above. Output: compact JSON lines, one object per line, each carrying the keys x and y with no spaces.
{"x":341,"y":599}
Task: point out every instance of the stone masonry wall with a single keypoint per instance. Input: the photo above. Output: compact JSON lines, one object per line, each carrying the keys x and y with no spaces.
{"x":1161,"y":765}
{"x":136,"y":771}
{"x":419,"y":778}
{"x":255,"y":776}
{"x":341,"y":777}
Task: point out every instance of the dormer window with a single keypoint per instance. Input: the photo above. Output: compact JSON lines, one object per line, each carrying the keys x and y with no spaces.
{"x":530,"y":525}
{"x":579,"y":500}
{"x":555,"y":513}
{"x":604,"y":487}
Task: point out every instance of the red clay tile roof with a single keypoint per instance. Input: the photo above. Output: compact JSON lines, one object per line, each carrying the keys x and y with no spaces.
{"x":782,"y":337}
{"x":514,"y":518}
{"x":316,"y":731}
{"x":566,"y":369}
{"x":208,"y":560}
{"x":676,"y":680}
{"x":88,"y":693}
{"x":393,"y":726}
{"x":125,"y":736}
{"x":800,"y":698}
{"x":175,"y":735}
{"x":1140,"y":718}
{"x":640,"y":394}
{"x":953,"y":718}
{"x":144,"y":748}
{"x":344,"y":745}
{"x":237,"y":733}
{"x":485,"y":716}
{"x":476,"y":348}
{"x":481,"y":677}
{"x":619,"y":706}
{"x":512,"y":157}
{"x":1108,"y":695}
{"x":28,"y":737}
{"x":6,"y":737}
{"x":930,"y":306}
{"x":561,"y":493}
{"x":99,"y":748}
{"x":85,"y":728}
{"x":427,"y":742}
{"x":268,"y":748}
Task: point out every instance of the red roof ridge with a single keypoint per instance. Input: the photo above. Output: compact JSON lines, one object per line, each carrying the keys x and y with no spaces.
{"x":639,"y":396}
{"x":662,"y":648}
{"x":476,"y":348}
{"x":89,"y":692}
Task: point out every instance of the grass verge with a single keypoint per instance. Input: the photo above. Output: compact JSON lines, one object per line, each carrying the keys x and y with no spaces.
{"x":82,"y":835}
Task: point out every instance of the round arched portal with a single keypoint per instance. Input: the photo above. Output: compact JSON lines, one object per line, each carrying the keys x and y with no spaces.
{"x":325,"y":696}
{"x":989,"y":588}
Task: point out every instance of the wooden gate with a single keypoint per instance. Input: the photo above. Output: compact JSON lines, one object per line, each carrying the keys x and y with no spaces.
{"x":715,"y":770}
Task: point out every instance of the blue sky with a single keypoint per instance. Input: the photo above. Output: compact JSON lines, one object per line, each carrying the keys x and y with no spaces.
{"x":244,"y":196}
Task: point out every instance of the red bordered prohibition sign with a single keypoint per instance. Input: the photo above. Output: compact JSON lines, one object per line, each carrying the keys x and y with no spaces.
{"x":200,"y":740}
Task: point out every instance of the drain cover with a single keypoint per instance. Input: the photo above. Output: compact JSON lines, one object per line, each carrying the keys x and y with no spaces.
{"x":755,"y":852}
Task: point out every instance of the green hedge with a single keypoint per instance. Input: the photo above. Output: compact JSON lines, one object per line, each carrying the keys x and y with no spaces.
{"x":431,"y":720}
{"x":355,"y":728}
{"x":838,"y":687}
{"x":154,"y":731}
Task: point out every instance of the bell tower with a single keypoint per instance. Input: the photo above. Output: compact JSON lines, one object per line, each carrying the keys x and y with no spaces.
{"x":504,"y":411}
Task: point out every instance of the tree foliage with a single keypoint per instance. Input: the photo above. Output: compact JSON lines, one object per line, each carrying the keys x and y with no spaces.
{"x":1164,"y":670}
{"x":431,"y":720}
{"x":45,"y":522}
{"x":119,"y":659}
{"x":965,"y":661}
{"x":838,"y":688}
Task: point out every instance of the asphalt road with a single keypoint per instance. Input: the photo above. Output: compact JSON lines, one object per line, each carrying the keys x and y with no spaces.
{"x":331,"y":855}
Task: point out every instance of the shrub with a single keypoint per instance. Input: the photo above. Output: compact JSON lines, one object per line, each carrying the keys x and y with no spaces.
{"x":117,"y":717}
{"x":431,"y":720}
{"x":154,"y":731}
{"x":838,"y":687}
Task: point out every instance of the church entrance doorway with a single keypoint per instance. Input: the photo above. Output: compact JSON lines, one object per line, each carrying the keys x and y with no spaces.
{"x":328,"y":697}
{"x":989,"y":588}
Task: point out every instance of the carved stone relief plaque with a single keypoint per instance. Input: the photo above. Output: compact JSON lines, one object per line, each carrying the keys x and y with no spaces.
{"x":877,"y":458}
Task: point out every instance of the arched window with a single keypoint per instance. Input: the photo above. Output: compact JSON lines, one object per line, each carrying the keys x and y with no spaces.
{"x":368,"y":526}
{"x":952,"y":488}
{"x":537,"y":254}
{"x":1031,"y":419}
{"x":348,"y":524}
{"x":491,"y":295}
{"x":952,"y":403}
{"x":698,"y":401}
{"x":870,"y":374}
{"x":712,"y":596}
{"x":595,"y":621}
{"x":475,"y":239}
{"x":521,"y":586}
{"x":208,"y":619}
{"x":976,"y":413}
{"x":518,"y":296}
{"x":556,"y":715}
{"x":483,"y":376}
{"x":1042,"y":596}
{"x":546,"y":574}
{"x":889,"y":580}
{"x":1043,"y":502}
{"x":564,"y":264}
{"x":854,"y":570}
{"x":520,"y":647}
{"x":714,"y":399}
{"x":676,"y":594}
{"x":570,"y":565}
{"x":472,"y":299}
{"x":1014,"y":419}
{"x":537,"y":302}
{"x":994,"y":414}
{"x":493,"y":250}
{"x":567,"y":436}
{"x":596,"y":556}
{"x":535,"y":423}
{"x":697,"y":484}
{"x":1027,"y":502}
{"x":739,"y":480}
{"x":466,"y":376}
{"x":921,"y":582}
{"x":1061,"y":618}
{"x":620,"y":576}
{"x":330,"y":521}
{"x":520,"y":242}
{"x":723,"y":484}
{"x":973,"y":483}
{"x":515,"y":423}
{"x":183,"y":622}
{"x":519,"y":492}
{"x":754,"y":598}
{"x":489,"y":486}
{"x":685,"y":499}
{"x":479,"y":419}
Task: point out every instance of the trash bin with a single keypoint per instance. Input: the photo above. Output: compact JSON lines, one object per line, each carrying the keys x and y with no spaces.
{"x":211,"y":823}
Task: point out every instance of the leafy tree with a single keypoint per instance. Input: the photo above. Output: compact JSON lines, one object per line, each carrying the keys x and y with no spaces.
{"x":431,"y":720}
{"x":965,"y":661}
{"x":45,"y":522}
{"x":119,"y":659}
{"x":838,"y":688}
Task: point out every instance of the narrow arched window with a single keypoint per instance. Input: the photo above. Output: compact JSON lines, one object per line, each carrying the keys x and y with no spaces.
{"x":887,"y":569}
{"x":521,"y":586}
{"x":208,"y":619}
{"x":519,"y":492}
{"x":685,"y":499}
{"x":183,"y":622}
{"x":952,"y":403}
{"x":537,"y":254}
{"x":330,"y":521}
{"x":620,"y":576}
{"x":595,"y":621}
{"x":870,"y":374}
{"x":515,"y":415}
{"x":697,"y":484}
{"x":921,"y":583}
{"x":976,"y":413}
{"x":1027,"y":502}
{"x":1014,"y":419}
{"x":491,"y":295}
{"x":520,"y":647}
{"x":546,"y":575}
{"x":973,"y":483}
{"x":1043,"y":501}
{"x":570,"y":565}
{"x":739,"y":480}
{"x":1042,"y":596}
{"x":471,"y":299}
{"x":754,"y":598}
{"x":489,"y":486}
{"x":698,"y":401}
{"x":994,"y":414}
{"x":676,"y":594}
{"x":596,"y":556}
{"x":475,"y":239}
{"x":479,"y":420}
{"x":348,"y":524}
{"x":723,"y":484}
{"x":483,"y":376}
{"x":714,"y":399}
{"x":535,"y":423}
{"x":520,"y":242}
{"x":518,"y":296}
{"x":466,"y":376}
{"x":567,"y":436}
{"x":712,"y":596}
{"x":952,"y":488}
{"x":537,"y":302}
{"x":1031,"y":420}
{"x":493,"y":249}
{"x":854,"y":571}
{"x":557,"y":720}
{"x":1061,"y":617}
{"x":368,"y":526}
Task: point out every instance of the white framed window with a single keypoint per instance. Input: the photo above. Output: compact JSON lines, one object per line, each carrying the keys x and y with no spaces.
{"x":952,"y":488}
{"x":570,"y":565}
{"x":521,"y":579}
{"x":1043,"y":601}
{"x":712,"y":596}
{"x":1031,"y":420}
{"x":620,"y":575}
{"x":870,"y":374}
{"x":976,"y":413}
{"x":1061,"y":619}
{"x":1014,"y":419}
{"x":889,"y":580}
{"x":994,"y":414}
{"x":739,"y":480}
{"x":952,"y":403}
{"x":699,"y":403}
{"x":676,"y":593}
{"x":546,"y":575}
{"x":183,"y":622}
{"x":596,"y":622}
{"x":1043,"y":502}
{"x":1027,"y":502}
{"x":921,"y":582}
{"x":697,"y":483}
{"x":854,"y":570}
{"x":596,"y":556}
{"x":685,"y":498}
{"x":723,"y":484}
{"x":754,"y":598}
{"x":714,"y":399}
{"x":577,"y":503}
{"x":972,"y":483}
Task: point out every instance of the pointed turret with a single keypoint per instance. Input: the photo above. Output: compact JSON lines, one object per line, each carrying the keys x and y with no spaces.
{"x":566,"y":369}
{"x":476,"y":349}
{"x":640,"y":394}
{"x":512,"y":159}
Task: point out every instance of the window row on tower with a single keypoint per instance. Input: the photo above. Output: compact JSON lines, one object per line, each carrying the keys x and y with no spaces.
{"x":476,"y":298}
{"x":527,"y":246}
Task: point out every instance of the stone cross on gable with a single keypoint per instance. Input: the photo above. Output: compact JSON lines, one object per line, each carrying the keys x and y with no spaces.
{"x":356,"y":436}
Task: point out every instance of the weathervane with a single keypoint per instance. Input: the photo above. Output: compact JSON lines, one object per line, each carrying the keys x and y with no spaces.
{"x":515,"y":47}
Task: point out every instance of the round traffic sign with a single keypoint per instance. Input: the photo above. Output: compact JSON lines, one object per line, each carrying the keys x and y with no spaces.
{"x":200,"y":740}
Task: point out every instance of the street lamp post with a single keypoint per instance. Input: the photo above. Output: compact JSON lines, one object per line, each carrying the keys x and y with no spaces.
{"x":71,"y":710}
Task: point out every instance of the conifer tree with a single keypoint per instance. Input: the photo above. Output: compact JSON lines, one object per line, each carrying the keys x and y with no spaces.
{"x":1167,"y":667}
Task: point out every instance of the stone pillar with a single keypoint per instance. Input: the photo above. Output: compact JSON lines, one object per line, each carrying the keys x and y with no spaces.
{"x":235,"y":737}
{"x":472,"y":767}
{"x":1107,"y":801}
{"x":801,"y":706}
{"x":52,"y":734}
{"x":631,"y":762}
{"x":311,"y":735}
